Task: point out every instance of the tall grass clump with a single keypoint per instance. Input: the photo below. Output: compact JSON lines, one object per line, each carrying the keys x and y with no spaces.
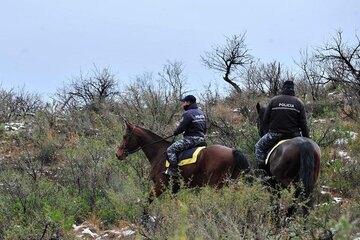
{"x":31,"y":209}
{"x":233,"y":212}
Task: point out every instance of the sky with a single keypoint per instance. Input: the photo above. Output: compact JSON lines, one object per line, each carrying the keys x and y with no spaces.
{"x":44,"y":44}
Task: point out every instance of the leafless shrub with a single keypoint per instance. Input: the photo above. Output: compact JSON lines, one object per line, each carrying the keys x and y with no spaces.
{"x":341,"y":63}
{"x":88,"y":91}
{"x":223,"y":120}
{"x":312,"y":80}
{"x":154,"y":102}
{"x":266,"y":78}
{"x":17,"y":104}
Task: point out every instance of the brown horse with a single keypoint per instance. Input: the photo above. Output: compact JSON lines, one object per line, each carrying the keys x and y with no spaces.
{"x":294,"y":161}
{"x":214,"y":163}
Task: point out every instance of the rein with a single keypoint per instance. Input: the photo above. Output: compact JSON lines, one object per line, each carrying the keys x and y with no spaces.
{"x":126,"y":152}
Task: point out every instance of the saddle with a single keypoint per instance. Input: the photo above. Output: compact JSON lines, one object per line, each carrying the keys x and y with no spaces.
{"x":188,"y":156}
{"x":272,"y":150}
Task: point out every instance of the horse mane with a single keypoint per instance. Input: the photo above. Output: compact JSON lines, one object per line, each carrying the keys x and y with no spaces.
{"x":156,"y":136}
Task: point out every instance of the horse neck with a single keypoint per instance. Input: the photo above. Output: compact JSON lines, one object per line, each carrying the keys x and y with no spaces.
{"x":153,"y":145}
{"x":263,"y":126}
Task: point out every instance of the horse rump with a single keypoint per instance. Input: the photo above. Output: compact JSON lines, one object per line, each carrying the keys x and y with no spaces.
{"x":241,"y":163}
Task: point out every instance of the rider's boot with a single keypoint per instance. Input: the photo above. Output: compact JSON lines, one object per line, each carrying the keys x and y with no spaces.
{"x":172,"y":170}
{"x":261,"y":165}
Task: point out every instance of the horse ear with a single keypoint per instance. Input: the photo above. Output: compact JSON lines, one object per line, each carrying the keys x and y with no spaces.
{"x":129,"y":124}
{"x":258,"y":107}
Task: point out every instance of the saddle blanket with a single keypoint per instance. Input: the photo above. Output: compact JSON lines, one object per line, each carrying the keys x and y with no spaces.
{"x":187,"y":157}
{"x":271,"y":151}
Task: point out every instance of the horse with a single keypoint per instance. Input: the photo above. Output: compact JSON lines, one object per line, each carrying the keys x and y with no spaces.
{"x":214,"y":164}
{"x":296,"y":161}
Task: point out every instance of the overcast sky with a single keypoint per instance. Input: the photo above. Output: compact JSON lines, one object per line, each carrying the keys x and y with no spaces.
{"x":45,"y":43}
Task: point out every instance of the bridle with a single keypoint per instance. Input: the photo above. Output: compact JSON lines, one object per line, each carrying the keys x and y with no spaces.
{"x":130,"y":135}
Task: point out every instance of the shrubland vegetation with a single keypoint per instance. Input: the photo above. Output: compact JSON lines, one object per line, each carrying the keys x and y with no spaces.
{"x":59,"y":167}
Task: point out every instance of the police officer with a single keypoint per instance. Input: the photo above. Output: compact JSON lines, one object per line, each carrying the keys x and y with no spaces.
{"x":193,"y":125}
{"x":285,"y":116}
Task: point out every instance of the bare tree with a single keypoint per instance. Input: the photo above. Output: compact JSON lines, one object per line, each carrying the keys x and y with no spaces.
{"x":17,"y":104}
{"x":173,"y":76}
{"x":272,"y":72}
{"x":312,"y":73}
{"x":88,"y":91}
{"x":266,"y":78}
{"x":341,"y":62}
{"x":229,"y":58}
{"x":154,"y":102}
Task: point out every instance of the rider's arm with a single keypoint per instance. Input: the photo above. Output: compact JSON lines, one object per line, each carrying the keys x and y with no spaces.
{"x":303,"y":123}
{"x":184,"y":122}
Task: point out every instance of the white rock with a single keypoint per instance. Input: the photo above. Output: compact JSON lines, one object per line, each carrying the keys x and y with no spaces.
{"x":127,"y":233}
{"x":88,"y":231}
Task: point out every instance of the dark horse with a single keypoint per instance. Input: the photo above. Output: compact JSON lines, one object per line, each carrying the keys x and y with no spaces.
{"x":294,"y":161}
{"x":214,"y":163}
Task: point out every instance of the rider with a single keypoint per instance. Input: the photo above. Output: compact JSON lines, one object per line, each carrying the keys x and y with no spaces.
{"x":285,"y":116}
{"x":193,"y":124}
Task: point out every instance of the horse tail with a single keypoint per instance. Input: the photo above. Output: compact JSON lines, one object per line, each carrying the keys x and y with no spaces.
{"x":241,"y":163}
{"x":306,"y":171}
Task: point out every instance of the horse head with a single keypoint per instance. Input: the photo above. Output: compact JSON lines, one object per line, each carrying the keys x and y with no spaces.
{"x":262,"y":127}
{"x":129,"y":143}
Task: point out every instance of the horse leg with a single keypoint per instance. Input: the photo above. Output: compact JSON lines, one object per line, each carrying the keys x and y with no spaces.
{"x":156,"y":191}
{"x":275,"y":200}
{"x":290,"y":211}
{"x":301,"y":199}
{"x":146,"y":219}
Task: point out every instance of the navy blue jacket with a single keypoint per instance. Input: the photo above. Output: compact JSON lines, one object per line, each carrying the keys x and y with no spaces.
{"x":192,"y":123}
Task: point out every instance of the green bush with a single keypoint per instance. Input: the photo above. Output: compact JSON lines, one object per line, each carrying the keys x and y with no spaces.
{"x":34,"y":208}
{"x":229,"y":212}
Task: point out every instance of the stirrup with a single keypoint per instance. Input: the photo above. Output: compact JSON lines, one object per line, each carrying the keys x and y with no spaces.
{"x":171,"y":172}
